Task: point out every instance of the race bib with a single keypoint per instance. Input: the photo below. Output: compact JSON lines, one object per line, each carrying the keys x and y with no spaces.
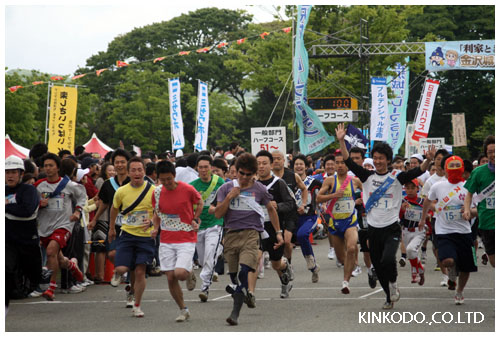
{"x":119,"y":220}
{"x":413,"y":213}
{"x":266,"y":214}
{"x":343,"y":205}
{"x":383,"y":203}
{"x":10,"y":199}
{"x":55,"y":204}
{"x":490,"y":202}
{"x":453,"y":213}
{"x":210,"y":199}
{"x":136,"y":218}
{"x":172,"y":222}
{"x":238,"y":204}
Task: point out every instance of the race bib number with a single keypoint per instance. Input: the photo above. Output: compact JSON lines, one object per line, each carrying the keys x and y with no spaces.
{"x":238,"y":204}
{"x":10,"y":199}
{"x":136,"y":218}
{"x":453,"y":213}
{"x":210,"y":199}
{"x":490,"y":202}
{"x":119,"y":220}
{"x":172,"y":222}
{"x":383,"y":203}
{"x":343,"y":205}
{"x":55,"y":204}
{"x":266,"y":214}
{"x":413,"y":213}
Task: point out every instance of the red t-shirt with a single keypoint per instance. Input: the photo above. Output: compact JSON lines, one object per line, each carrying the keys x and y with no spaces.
{"x":179,"y":202}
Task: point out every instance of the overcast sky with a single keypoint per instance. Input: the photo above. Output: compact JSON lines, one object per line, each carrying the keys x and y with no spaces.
{"x":58,"y":39}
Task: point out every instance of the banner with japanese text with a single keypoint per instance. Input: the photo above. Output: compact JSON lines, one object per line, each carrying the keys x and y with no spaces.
{"x":460,"y":55}
{"x":425,"y":108}
{"x":459,"y":132}
{"x":176,"y":126}
{"x":269,"y":139}
{"x":379,"y":123}
{"x":62,"y":118}
{"x":312,"y":135}
{"x":397,"y":106}
{"x":202,"y":117}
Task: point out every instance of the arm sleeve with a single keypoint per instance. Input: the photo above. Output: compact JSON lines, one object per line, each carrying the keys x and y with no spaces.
{"x":26,"y":203}
{"x":360,"y":172}
{"x":408,"y":176}
{"x":287,"y":204}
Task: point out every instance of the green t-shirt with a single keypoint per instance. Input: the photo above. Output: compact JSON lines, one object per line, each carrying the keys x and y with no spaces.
{"x":481,"y":178}
{"x":208,"y":220}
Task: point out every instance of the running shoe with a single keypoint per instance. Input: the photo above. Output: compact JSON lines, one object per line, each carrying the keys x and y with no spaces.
{"x":130,"y":300}
{"x":184,"y":315}
{"x":459,"y":298}
{"x":215,"y":277}
{"x":372,"y":279}
{"x":285,"y":290}
{"x":339,"y":264}
{"x":452,"y":278}
{"x":394,"y":291}
{"x":484,"y":259}
{"x":231,"y":288}
{"x":421,"y":281}
{"x":86,"y":282}
{"x":75,"y":289}
{"x":267,"y":261}
{"x":203,"y":295}
{"x":345,"y":287}
{"x":414,"y":277}
{"x":315,"y":274}
{"x":191,"y":281}
{"x":357,"y":271}
{"x":260,"y":275}
{"x":444,"y":282}
{"x":402,"y":262}
{"x":249,"y":300}
{"x":49,"y":295}
{"x":388,"y":305}
{"x":35,"y":293}
{"x":137,"y":312}
{"x":116,"y":279}
{"x":331,"y":254}
{"x":77,"y":274}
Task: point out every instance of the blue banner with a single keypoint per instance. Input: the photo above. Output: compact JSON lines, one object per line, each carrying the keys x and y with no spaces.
{"x":176,"y":126}
{"x":398,"y":105}
{"x":460,"y":55}
{"x":312,"y":134}
{"x":202,"y":118}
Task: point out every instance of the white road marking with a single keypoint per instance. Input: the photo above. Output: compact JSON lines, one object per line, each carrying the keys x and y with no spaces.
{"x":373,"y":292}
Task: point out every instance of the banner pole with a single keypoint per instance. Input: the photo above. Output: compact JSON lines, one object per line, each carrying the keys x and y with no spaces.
{"x":47,"y":113}
{"x":294,"y":125}
{"x":197,"y":116}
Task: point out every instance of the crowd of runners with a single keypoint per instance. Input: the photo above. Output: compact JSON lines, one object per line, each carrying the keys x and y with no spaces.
{"x":168,"y":214}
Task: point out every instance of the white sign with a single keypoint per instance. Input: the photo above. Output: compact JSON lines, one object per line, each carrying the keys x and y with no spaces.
{"x":203,"y":114}
{"x":411,"y":146}
{"x":326,"y":116}
{"x":176,"y":126}
{"x":269,"y":139}
{"x":425,"y":108}
{"x":459,"y":133}
{"x":424,"y":143}
{"x":379,"y":125}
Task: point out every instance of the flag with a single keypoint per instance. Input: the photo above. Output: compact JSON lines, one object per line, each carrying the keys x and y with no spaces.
{"x":222,"y":44}
{"x":120,"y":64}
{"x":263,"y":35}
{"x":78,"y":76}
{"x":14,"y":88}
{"x":62,"y":118}
{"x":137,"y":150}
{"x":355,"y":138}
{"x":158,"y":59}
{"x":287,"y":29}
{"x":184,"y":53}
{"x":57,"y":78}
{"x":202,"y":117}
{"x":424,"y":110}
{"x":98,"y":72}
{"x":398,"y":104}
{"x":203,"y":50}
{"x":37,"y":82}
{"x":240,"y":41}
{"x":176,"y":125}
{"x":379,"y":118}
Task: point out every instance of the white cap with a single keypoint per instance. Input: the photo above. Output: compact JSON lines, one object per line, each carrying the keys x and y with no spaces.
{"x":475,"y":162}
{"x":230,"y":156}
{"x":13,"y":163}
{"x":80,"y":173}
{"x":368,"y":161}
{"x":418,"y":156}
{"x":217,"y":155}
{"x":179,"y":153}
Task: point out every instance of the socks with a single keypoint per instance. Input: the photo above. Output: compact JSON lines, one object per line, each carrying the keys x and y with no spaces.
{"x":243,"y":277}
{"x":52,"y":286}
{"x":369,"y":270}
{"x":417,"y":265}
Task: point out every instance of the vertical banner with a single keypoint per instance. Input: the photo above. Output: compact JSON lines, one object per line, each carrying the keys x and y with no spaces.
{"x":62,"y":118}
{"x":460,"y":55}
{"x":312,"y":134}
{"x":202,"y":117}
{"x":137,"y":150}
{"x":424,"y":111}
{"x":459,"y":132}
{"x":379,"y":124}
{"x":176,"y":126}
{"x":398,"y":105}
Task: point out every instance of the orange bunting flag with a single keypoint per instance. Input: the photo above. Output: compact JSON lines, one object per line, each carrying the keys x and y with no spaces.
{"x":98,"y":72}
{"x":78,"y":76}
{"x":203,"y":50}
{"x":14,"y":88}
{"x":222,"y":44}
{"x":158,"y":59}
{"x":287,"y":29}
{"x":120,"y":64}
{"x":184,"y":53}
{"x":57,"y":78}
{"x":263,"y":35}
{"x":240,"y":41}
{"x":37,"y":82}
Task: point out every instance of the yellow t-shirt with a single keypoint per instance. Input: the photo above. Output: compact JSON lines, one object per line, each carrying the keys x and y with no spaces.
{"x":132,"y":222}
{"x":344,"y":207}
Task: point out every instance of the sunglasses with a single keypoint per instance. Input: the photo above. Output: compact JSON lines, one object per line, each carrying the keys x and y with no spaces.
{"x":245,"y":174}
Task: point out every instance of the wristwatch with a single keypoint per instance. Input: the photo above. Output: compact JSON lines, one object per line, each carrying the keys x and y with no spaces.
{"x":280,"y":231}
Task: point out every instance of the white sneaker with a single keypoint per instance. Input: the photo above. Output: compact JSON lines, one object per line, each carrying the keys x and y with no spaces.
{"x":137,"y":312}
{"x":285,"y":290}
{"x":315,"y":274}
{"x":191,"y":281}
{"x":260,"y":275}
{"x":116,"y":280}
{"x":215,"y":277}
{"x":35,"y":293}
{"x":130,"y":300}
{"x":345,"y":287}
{"x":357,"y":271}
{"x":183,"y":316}
{"x":331,"y":254}
{"x":394,"y":291}
{"x":86,"y":282}
{"x":444,"y":282}
{"x":339,"y":265}
{"x":267,"y":261}
{"x":75,"y":289}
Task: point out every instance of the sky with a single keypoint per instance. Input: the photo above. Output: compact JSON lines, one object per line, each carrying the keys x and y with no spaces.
{"x":58,"y":39}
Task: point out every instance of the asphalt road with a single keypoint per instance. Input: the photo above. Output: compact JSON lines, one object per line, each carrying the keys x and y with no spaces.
{"x":310,"y":307}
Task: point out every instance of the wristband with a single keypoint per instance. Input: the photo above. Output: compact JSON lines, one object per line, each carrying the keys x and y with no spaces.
{"x":279,"y":232}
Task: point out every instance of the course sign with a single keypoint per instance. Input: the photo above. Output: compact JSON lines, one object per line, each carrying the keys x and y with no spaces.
{"x":269,"y":139}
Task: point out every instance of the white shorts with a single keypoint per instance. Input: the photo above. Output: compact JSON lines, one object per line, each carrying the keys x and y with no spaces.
{"x":176,"y":255}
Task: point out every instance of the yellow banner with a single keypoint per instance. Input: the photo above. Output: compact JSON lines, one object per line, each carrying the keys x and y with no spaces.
{"x":62,"y":119}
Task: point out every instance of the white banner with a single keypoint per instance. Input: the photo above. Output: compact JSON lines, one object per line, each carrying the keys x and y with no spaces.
{"x":176,"y":126}
{"x":424,"y":111}
{"x":459,"y":133}
{"x":202,"y":116}
{"x":379,"y":126}
{"x":326,"y":116}
{"x":269,"y":139}
{"x":411,"y":146}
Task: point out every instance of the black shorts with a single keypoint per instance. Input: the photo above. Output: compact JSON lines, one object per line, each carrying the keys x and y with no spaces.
{"x":459,"y":247}
{"x":291,"y":225}
{"x":488,"y":237}
{"x":268,"y":244}
{"x":433,"y":235}
{"x":363,"y":240}
{"x":474,"y":229}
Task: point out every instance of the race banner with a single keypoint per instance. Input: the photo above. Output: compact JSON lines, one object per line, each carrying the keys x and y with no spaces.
{"x":459,"y":132}
{"x":398,"y":105}
{"x":62,"y":118}
{"x":269,"y":139}
{"x":424,"y":111}
{"x":202,"y":117}
{"x":411,"y":146}
{"x":176,"y":126}
{"x":460,"y":55}
{"x":379,"y":125}
{"x":312,"y":134}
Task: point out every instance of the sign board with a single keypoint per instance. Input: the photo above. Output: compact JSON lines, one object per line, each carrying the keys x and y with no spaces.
{"x":326,"y":116}
{"x":269,"y":139}
{"x":411,"y":146}
{"x":459,"y":133}
{"x":333,"y":109}
{"x":424,"y":143}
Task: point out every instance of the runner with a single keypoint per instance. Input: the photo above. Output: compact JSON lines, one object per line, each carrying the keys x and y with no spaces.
{"x":382,"y":194}
{"x":173,"y":202}
{"x":341,"y":215}
{"x":239,"y":201}
{"x":455,"y":246}
{"x":135,"y":249}
{"x":209,"y":238}
{"x":56,"y":218}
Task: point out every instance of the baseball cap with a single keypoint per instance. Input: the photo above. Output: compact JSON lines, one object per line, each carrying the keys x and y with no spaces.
{"x":13,"y":162}
{"x":418,"y":156}
{"x":88,"y":161}
{"x":80,"y":173}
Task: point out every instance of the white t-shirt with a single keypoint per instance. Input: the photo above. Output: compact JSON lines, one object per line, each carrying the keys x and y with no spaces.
{"x":449,"y":220}
{"x":428,"y":184}
{"x":424,"y":176}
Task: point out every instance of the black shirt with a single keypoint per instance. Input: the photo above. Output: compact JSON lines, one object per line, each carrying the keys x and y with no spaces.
{"x":107,"y":192}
